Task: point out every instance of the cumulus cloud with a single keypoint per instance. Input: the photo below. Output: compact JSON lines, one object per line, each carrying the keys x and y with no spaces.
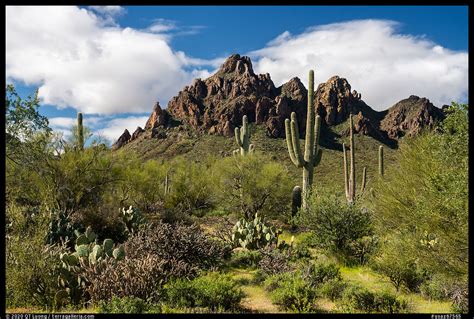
{"x":79,"y":61}
{"x":382,"y":64}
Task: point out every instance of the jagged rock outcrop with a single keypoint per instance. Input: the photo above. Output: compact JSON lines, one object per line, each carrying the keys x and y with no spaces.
{"x":122,"y":140}
{"x":157,"y":118}
{"x":137,"y":133}
{"x":409,"y":117}
{"x":216,"y":105}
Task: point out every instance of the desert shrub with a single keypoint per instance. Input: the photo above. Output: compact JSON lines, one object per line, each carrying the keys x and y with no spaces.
{"x":253,"y":184}
{"x":32,"y":268}
{"x":274,"y":260}
{"x":438,"y":287}
{"x":291,"y":292}
{"x":213,"y":291}
{"x":402,"y":270}
{"x":141,"y":277}
{"x":317,"y":273}
{"x":425,"y":197}
{"x":245,"y":258}
{"x":332,"y":289}
{"x":336,"y":225}
{"x":258,"y":277}
{"x":191,"y":190}
{"x":460,"y":297}
{"x":144,"y":185}
{"x":185,"y":243}
{"x":357,"y":298}
{"x":130,"y":305}
{"x":105,"y":220}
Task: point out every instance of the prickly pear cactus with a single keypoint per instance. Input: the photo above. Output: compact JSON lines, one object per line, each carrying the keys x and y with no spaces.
{"x":88,"y":252}
{"x":254,"y":234}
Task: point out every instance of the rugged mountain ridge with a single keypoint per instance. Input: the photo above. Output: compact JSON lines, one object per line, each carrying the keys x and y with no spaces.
{"x":216,"y":105}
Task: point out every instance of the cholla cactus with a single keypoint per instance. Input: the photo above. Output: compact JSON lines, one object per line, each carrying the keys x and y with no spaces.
{"x":349,"y":173}
{"x":312,"y":153}
{"x":242,"y":137}
{"x":132,"y":218}
{"x":254,"y":234}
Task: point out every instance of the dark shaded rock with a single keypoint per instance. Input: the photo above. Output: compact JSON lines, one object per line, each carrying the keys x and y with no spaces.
{"x":137,"y":133}
{"x":122,"y":140}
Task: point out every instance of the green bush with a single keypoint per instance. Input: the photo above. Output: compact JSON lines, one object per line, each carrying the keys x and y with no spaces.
{"x":402,"y":270}
{"x":317,"y":273}
{"x":291,"y":292}
{"x":337,"y":226}
{"x":245,"y":258}
{"x":425,"y":197}
{"x":253,"y":184}
{"x":32,"y":268}
{"x":357,"y":298}
{"x":213,"y":291}
{"x":332,"y":289}
{"x":130,"y":305}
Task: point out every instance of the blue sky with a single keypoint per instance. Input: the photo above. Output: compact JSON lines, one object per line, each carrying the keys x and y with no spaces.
{"x":113,"y":63}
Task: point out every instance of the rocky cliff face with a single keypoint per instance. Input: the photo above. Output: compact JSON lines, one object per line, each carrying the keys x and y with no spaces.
{"x":409,"y":117}
{"x":216,"y":106}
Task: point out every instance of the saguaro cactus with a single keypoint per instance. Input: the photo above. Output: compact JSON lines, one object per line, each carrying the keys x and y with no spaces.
{"x":242,"y":137}
{"x":80,"y":132}
{"x":381,"y":167}
{"x":349,"y":173}
{"x":312,"y":153}
{"x":295,"y":200}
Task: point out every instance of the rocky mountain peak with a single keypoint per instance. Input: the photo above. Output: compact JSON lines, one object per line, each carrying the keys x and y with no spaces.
{"x":237,"y":64}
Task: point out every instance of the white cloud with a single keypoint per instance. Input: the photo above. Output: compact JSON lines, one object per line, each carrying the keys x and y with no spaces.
{"x":79,"y":61}
{"x":115,"y":127}
{"x":108,"y":10}
{"x":383,"y":65}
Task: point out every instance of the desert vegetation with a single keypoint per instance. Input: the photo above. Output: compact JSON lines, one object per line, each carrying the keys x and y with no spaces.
{"x":96,"y":230}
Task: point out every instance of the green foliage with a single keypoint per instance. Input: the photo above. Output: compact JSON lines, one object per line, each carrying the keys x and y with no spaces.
{"x":332,"y":289}
{"x":252,"y":184}
{"x":425,"y":199}
{"x":317,"y":273}
{"x":254,"y":234}
{"x":360,"y":299}
{"x":130,"y":305}
{"x":403,"y":270}
{"x":291,"y":292}
{"x":338,"y":226}
{"x":213,"y":291}
{"x":438,"y":287}
{"x":32,"y":268}
{"x":245,"y":258}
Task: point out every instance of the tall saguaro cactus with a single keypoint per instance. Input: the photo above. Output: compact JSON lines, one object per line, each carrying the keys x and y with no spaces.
{"x":242,"y":137}
{"x":349,"y":173}
{"x":312,"y":153}
{"x":381,"y":167}
{"x":80,"y":132}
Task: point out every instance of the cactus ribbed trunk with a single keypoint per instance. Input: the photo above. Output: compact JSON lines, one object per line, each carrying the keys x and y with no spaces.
{"x":242,"y":137}
{"x":312,"y":153}
{"x":349,"y":173}
{"x":80,"y":132}
{"x":381,"y":168}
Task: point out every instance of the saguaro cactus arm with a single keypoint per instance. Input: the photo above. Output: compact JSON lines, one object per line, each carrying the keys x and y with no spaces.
{"x":318,"y":152}
{"x":364,"y":180}
{"x":295,"y":140}
{"x":346,"y":173}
